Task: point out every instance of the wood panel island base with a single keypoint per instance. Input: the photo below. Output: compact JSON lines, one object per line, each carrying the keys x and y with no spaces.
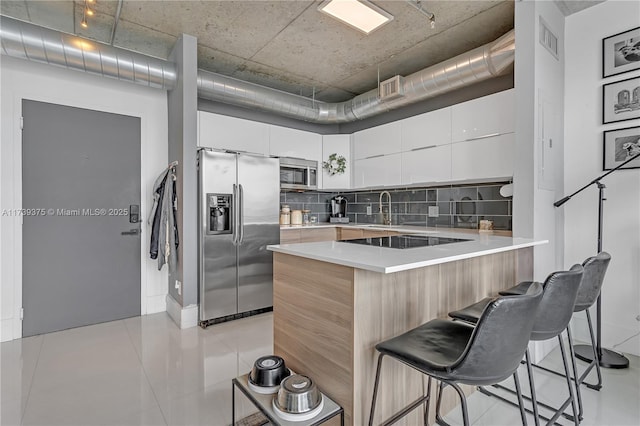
{"x":329,"y":316}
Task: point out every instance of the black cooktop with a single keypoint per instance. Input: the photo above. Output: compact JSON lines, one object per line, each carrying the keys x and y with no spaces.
{"x":405,"y":241}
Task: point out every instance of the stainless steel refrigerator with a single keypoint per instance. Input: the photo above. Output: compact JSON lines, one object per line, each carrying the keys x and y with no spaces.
{"x":238,"y":217}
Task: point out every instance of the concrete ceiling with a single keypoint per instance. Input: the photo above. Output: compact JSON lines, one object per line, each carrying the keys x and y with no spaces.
{"x":287,"y":45}
{"x":569,"y":7}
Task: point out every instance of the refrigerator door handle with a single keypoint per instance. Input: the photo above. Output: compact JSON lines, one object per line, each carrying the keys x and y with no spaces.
{"x":241,"y":214}
{"x":234,"y":216}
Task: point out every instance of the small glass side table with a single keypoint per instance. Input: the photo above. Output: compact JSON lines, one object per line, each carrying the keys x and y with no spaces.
{"x":264,"y":404}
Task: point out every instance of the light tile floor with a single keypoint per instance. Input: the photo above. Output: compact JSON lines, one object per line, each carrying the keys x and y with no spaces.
{"x":146,"y":371}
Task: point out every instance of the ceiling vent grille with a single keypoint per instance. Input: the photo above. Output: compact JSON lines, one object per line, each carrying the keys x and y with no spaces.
{"x":548,"y":39}
{"x":391,"y":88}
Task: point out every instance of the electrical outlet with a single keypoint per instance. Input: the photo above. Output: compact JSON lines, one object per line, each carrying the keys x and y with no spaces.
{"x":179,"y":287}
{"x":434,"y":211}
{"x":369,"y":210}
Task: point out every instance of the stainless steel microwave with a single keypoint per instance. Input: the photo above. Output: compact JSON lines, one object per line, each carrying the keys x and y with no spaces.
{"x":296,"y":173}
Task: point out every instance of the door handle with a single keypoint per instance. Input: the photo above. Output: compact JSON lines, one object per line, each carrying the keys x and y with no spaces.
{"x":241,"y":213}
{"x":131,"y":232}
{"x":234,"y":215}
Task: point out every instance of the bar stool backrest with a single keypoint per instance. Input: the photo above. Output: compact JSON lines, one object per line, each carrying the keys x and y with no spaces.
{"x":500,"y":339}
{"x":558,"y":300}
{"x":595,"y":268}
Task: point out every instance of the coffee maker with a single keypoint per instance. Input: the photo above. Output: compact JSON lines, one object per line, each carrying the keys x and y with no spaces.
{"x":338,"y":210}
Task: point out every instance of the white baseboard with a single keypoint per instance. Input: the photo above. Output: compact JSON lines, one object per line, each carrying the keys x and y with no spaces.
{"x":10,"y":329}
{"x":186,"y":317}
{"x":156,"y":304}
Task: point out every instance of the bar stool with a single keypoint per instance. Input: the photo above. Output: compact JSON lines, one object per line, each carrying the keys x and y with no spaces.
{"x":595,"y":268}
{"x":455,"y":352}
{"x":553,"y":316}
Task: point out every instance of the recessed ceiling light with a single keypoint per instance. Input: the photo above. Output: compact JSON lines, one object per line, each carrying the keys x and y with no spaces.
{"x":359,"y":14}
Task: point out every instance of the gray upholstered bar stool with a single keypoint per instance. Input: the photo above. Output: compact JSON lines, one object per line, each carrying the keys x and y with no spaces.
{"x":595,"y":268}
{"x":552,"y":318}
{"x":455,"y":352}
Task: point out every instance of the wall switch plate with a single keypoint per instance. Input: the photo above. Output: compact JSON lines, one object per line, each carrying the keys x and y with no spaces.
{"x":434,"y":211}
{"x":179,"y":287}
{"x":369,"y":210}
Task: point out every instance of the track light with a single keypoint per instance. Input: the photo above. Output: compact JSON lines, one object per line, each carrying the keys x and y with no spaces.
{"x":418,"y":5}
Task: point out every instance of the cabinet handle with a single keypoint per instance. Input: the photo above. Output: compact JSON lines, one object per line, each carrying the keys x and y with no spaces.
{"x":491,"y":135}
{"x":424,"y":147}
{"x":374,"y":156}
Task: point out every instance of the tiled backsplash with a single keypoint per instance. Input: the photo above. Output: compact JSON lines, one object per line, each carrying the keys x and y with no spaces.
{"x":458,"y":206}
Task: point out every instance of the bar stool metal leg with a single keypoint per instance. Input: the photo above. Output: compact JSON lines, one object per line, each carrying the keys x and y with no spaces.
{"x":532,"y":386}
{"x":575,"y":375}
{"x":572,"y":397}
{"x":424,"y":399}
{"x":375,"y":389}
{"x":463,"y":404}
{"x":523,"y":414}
{"x":597,"y":386}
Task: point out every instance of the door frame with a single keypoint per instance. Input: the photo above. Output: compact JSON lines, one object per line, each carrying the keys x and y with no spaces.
{"x":146,"y":167}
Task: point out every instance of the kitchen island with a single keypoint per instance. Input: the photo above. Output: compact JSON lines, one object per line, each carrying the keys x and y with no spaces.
{"x":334,"y":301}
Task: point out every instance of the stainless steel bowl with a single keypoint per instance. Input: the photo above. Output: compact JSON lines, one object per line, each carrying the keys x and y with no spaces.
{"x":298,"y":394}
{"x":268,"y":371}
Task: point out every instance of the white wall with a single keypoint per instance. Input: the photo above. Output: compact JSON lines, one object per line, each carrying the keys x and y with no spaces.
{"x":539,"y":84}
{"x":539,"y":91}
{"x":25,"y":80}
{"x":583,"y":162}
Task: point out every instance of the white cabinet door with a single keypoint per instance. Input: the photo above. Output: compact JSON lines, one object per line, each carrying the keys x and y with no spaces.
{"x":286,"y":142}
{"x":428,"y":129}
{"x":235,"y":134}
{"x":489,"y":115}
{"x":484,"y":158}
{"x":427,"y":165}
{"x":377,"y":171}
{"x":340,"y":145}
{"x":379,"y":140}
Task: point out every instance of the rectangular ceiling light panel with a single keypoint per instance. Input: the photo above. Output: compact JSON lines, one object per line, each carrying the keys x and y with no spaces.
{"x":359,"y":14}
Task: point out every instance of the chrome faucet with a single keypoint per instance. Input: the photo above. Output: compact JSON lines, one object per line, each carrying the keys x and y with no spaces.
{"x":386,"y":218}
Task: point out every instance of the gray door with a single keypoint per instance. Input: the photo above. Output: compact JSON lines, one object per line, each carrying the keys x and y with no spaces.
{"x":259,"y":192}
{"x":80,"y":174}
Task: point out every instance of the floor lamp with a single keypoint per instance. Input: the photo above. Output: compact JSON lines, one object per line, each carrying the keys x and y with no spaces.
{"x":606,"y":358}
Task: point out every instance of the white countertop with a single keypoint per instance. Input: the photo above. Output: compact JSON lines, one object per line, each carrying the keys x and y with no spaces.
{"x":388,"y":260}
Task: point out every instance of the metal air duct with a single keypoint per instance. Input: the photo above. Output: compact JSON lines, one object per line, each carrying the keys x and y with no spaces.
{"x":34,"y":43}
{"x":482,"y":63}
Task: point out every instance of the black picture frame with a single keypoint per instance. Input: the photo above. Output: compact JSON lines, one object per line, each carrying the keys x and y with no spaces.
{"x":616,"y":148}
{"x":616,"y":60}
{"x":621,"y":100}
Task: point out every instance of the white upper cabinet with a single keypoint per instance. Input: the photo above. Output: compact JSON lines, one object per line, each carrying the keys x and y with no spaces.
{"x":381,"y":170}
{"x":428,"y":129}
{"x":286,"y":142}
{"x":235,"y":134}
{"x":340,"y":145}
{"x":379,"y":140}
{"x":483,"y":158}
{"x":484,"y":117}
{"x":432,"y":164}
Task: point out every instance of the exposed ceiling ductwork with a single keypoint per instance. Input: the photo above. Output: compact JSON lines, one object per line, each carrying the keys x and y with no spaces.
{"x":34,"y":43}
{"x":31,"y":42}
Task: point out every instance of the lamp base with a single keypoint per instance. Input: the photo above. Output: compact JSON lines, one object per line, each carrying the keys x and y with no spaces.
{"x":609,"y":359}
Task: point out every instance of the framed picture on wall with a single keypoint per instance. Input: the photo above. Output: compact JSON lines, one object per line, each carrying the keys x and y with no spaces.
{"x":621,"y":53}
{"x":621,"y":100}
{"x":619,"y":146}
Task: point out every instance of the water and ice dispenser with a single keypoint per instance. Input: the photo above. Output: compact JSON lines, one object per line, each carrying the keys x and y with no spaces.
{"x":219,"y":208}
